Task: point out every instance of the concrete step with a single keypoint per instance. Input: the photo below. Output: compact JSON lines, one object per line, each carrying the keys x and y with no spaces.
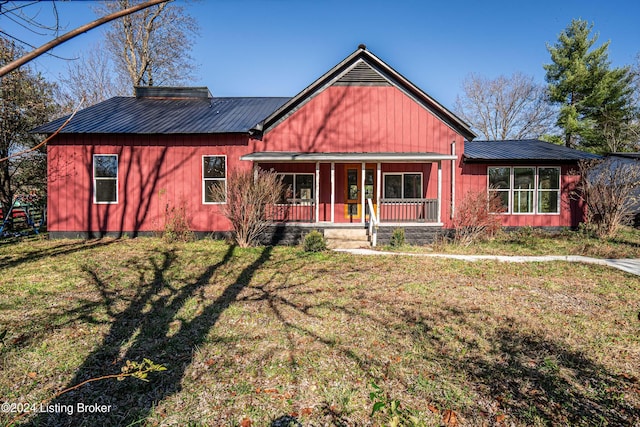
{"x":346,"y":238}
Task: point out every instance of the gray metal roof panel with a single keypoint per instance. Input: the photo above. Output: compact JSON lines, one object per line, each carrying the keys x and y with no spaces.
{"x":128,"y":115}
{"x":521,"y":150}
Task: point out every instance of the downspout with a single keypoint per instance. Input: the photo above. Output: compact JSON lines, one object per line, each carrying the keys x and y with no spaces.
{"x":453,"y":179}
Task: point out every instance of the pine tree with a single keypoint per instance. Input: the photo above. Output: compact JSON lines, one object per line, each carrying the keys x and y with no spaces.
{"x":592,"y":96}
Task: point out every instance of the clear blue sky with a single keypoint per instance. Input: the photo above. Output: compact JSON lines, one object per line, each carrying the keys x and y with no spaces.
{"x":278,"y":47}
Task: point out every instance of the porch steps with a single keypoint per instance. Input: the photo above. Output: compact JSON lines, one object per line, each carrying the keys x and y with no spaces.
{"x":346,"y":238}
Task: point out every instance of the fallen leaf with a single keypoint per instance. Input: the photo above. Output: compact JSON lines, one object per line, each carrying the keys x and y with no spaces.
{"x":500,"y":418}
{"x":210,"y":362}
{"x":246,"y":422}
{"x":306,"y":411}
{"x":433,"y":409}
{"x":32,"y":375}
{"x":449,"y":418}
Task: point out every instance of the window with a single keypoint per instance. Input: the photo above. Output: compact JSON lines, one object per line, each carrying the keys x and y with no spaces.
{"x":500,"y":185}
{"x":403,"y":186}
{"x":214,"y":175}
{"x":523,"y":189}
{"x":298,"y":188}
{"x":526,"y":190}
{"x":105,"y":178}
{"x":548,"y":190}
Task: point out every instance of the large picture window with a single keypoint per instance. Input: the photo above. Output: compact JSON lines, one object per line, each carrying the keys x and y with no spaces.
{"x":105,"y":178}
{"x":526,"y":190}
{"x":403,"y":186}
{"x":298,"y":188}
{"x":214,"y":175}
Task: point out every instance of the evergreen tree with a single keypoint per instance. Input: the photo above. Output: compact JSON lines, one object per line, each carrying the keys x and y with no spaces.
{"x":25,"y":102}
{"x":594,"y":99}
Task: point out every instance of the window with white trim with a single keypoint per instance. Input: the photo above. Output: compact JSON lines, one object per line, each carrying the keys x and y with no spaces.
{"x":298,"y":188}
{"x":105,"y":178}
{"x":548,"y":190}
{"x":214,"y":175}
{"x":402,"y":185}
{"x":526,"y":189}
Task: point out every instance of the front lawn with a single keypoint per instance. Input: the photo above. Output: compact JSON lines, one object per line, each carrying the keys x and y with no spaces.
{"x":531,"y":241}
{"x":251,"y":336}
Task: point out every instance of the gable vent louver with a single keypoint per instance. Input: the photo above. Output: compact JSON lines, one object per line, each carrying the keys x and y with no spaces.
{"x":362,"y":75}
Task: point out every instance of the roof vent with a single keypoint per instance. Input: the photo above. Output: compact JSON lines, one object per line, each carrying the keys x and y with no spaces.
{"x":362,"y":75}
{"x":165,"y":92}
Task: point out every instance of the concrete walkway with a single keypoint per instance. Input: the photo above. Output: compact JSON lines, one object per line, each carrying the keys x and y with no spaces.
{"x":629,"y":265}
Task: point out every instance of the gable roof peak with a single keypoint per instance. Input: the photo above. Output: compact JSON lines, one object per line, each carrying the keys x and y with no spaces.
{"x":378,"y":72}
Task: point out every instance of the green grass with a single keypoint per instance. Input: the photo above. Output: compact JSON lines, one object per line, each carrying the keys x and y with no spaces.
{"x":529,"y":241}
{"x":263,"y":333}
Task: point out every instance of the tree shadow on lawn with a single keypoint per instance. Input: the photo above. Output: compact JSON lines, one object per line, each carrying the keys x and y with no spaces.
{"x":529,"y":378}
{"x":538,"y":381}
{"x":144,"y":330}
{"x":52,"y":250}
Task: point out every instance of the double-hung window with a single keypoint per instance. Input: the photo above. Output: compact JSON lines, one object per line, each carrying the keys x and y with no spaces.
{"x":548,"y":190}
{"x":298,"y":188}
{"x":105,"y":178}
{"x":526,"y":189}
{"x":403,"y":186}
{"x":214,"y":179}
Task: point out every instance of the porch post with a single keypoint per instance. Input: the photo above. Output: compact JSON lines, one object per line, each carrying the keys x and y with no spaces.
{"x":439,"y":190}
{"x":317,"y":191}
{"x":333,"y":191}
{"x":362,"y":200}
{"x":378,"y":192}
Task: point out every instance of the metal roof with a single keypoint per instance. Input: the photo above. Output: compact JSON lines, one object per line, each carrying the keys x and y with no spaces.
{"x":524,"y":150}
{"x":131,"y":115}
{"x":288,"y":156}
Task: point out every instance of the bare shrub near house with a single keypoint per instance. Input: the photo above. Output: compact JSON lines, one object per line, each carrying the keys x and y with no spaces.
{"x":475,"y":217}
{"x":247,"y":198}
{"x":610,"y":190}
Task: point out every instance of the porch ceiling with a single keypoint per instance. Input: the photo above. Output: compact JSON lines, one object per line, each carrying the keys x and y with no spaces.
{"x":287,"y":156}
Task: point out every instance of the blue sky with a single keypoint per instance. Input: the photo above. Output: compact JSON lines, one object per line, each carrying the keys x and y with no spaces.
{"x":278,"y":47}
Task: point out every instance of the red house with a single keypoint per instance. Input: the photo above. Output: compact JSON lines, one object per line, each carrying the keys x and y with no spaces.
{"x":360,"y":134}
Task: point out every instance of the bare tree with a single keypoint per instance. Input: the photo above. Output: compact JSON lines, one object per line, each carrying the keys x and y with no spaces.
{"x":610,"y":189}
{"x":152,"y":47}
{"x":90,"y":78}
{"x":513,"y":107}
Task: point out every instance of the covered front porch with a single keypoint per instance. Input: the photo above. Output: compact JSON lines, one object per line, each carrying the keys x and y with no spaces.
{"x":344,"y":189}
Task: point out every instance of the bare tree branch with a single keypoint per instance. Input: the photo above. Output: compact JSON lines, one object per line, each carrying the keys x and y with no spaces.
{"x":73,"y":33}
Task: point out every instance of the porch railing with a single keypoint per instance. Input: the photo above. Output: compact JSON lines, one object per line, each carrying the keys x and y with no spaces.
{"x":372,"y":222}
{"x":302,"y":211}
{"x":409,"y":210}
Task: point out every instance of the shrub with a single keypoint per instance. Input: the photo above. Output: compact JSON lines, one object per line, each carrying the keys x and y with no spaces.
{"x":176,"y":225}
{"x":248,"y":197}
{"x":397,"y":238}
{"x":475,"y":218}
{"x":314,"y":242}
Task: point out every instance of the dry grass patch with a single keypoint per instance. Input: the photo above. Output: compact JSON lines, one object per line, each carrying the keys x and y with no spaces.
{"x":264,"y":333}
{"x":530,"y":241}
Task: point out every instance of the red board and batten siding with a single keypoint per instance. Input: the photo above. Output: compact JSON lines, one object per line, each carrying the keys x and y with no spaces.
{"x":155,"y":172}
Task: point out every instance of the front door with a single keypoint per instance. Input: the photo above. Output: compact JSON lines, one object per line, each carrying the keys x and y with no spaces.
{"x":353,"y":190}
